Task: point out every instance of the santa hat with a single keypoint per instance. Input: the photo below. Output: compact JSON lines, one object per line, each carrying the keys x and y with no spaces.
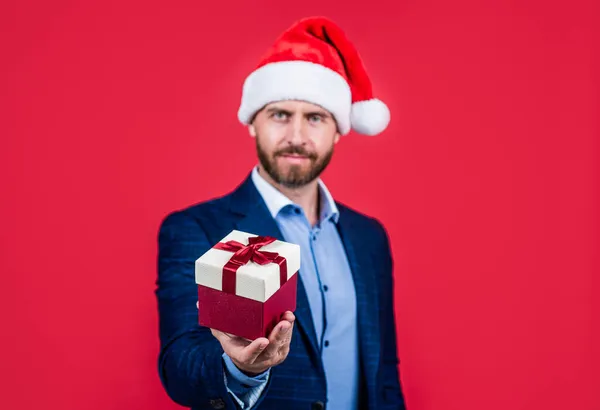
{"x":313,"y":61}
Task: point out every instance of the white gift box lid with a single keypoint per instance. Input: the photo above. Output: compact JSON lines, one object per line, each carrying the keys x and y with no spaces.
{"x":253,"y":281}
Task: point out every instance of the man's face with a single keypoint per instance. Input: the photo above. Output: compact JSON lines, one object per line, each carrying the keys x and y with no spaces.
{"x":294,"y":141}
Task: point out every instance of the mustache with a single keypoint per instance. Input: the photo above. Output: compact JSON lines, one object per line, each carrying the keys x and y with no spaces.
{"x":296,"y":150}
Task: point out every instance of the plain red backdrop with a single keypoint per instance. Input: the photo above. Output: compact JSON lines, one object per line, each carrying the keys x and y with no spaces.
{"x":116,"y":113}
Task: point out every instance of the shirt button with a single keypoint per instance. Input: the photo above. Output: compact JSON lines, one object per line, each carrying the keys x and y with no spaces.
{"x":325,"y":288}
{"x":297,"y":210}
{"x":326,"y":343}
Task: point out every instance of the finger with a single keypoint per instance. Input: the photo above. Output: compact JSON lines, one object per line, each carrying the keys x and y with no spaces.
{"x":232,"y":336}
{"x":251,"y":352}
{"x":289,"y":316}
{"x":232,"y":345}
{"x":243,"y":338}
{"x":218,"y":334}
{"x":281,"y":333}
{"x":279,"y":339}
{"x":224,"y":337}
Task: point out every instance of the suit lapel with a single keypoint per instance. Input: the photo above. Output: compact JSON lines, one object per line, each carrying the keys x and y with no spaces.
{"x":365,"y":283}
{"x":255,"y":218}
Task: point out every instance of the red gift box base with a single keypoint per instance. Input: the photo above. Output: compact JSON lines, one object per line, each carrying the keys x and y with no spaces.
{"x":245,"y":317}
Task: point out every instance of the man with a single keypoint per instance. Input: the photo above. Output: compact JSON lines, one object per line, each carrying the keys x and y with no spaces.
{"x":338,"y":349}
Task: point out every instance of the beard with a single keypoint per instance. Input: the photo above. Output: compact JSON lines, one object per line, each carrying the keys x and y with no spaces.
{"x":295,"y":176}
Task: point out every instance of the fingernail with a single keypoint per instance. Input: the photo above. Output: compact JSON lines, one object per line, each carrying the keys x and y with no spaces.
{"x":262,"y":346}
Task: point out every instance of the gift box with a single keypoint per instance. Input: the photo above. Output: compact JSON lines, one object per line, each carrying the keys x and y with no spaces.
{"x":245,"y":283}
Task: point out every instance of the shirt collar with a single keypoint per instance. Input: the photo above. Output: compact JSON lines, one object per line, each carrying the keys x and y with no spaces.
{"x":276,"y":201}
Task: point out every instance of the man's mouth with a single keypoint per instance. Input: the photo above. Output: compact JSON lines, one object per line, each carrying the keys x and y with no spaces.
{"x":294,"y":158}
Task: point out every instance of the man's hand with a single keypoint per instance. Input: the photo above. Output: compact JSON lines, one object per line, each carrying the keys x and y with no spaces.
{"x":255,"y":357}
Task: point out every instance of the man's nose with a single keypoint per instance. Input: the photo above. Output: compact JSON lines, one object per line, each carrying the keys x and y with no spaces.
{"x":296,"y":131}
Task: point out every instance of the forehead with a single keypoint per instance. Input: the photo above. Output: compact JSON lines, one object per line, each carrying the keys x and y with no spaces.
{"x":296,"y":106}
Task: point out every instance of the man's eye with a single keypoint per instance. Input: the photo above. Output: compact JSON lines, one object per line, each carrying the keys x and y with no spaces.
{"x":315,"y":118}
{"x":280,"y":115}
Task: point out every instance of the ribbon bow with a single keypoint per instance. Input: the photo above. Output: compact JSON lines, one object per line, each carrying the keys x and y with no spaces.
{"x":246,"y":253}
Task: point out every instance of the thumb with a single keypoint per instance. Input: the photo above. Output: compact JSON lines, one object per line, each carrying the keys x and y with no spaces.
{"x":254,"y":349}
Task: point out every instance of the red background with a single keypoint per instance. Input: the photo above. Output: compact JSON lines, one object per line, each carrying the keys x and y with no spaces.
{"x":114,"y":114}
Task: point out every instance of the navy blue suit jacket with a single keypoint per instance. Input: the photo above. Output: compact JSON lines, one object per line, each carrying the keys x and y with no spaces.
{"x":190,"y":360}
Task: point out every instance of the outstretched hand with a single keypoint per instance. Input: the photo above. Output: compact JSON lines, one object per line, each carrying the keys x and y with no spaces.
{"x":253,"y":357}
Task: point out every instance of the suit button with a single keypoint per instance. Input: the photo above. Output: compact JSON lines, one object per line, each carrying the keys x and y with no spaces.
{"x":217,"y":404}
{"x":318,"y":405}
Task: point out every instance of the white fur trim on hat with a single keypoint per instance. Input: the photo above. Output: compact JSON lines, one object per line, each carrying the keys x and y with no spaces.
{"x":297,"y":80}
{"x":369,"y":117}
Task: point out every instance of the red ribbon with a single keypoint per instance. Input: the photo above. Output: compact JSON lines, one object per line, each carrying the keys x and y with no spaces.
{"x":246,"y":253}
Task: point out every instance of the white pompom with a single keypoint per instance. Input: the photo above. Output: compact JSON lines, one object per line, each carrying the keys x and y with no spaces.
{"x":369,"y":117}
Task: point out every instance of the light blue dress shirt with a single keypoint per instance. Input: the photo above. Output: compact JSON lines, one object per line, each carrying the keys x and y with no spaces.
{"x":328,"y":281}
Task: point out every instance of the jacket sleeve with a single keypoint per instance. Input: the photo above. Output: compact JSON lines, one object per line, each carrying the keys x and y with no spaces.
{"x":392,"y":390}
{"x":190,"y":362}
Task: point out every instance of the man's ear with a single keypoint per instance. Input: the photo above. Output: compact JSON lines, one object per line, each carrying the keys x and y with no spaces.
{"x":252,"y":130}
{"x":336,"y":138}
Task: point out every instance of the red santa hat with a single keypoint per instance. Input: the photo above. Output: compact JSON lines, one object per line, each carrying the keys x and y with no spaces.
{"x":313,"y":61}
